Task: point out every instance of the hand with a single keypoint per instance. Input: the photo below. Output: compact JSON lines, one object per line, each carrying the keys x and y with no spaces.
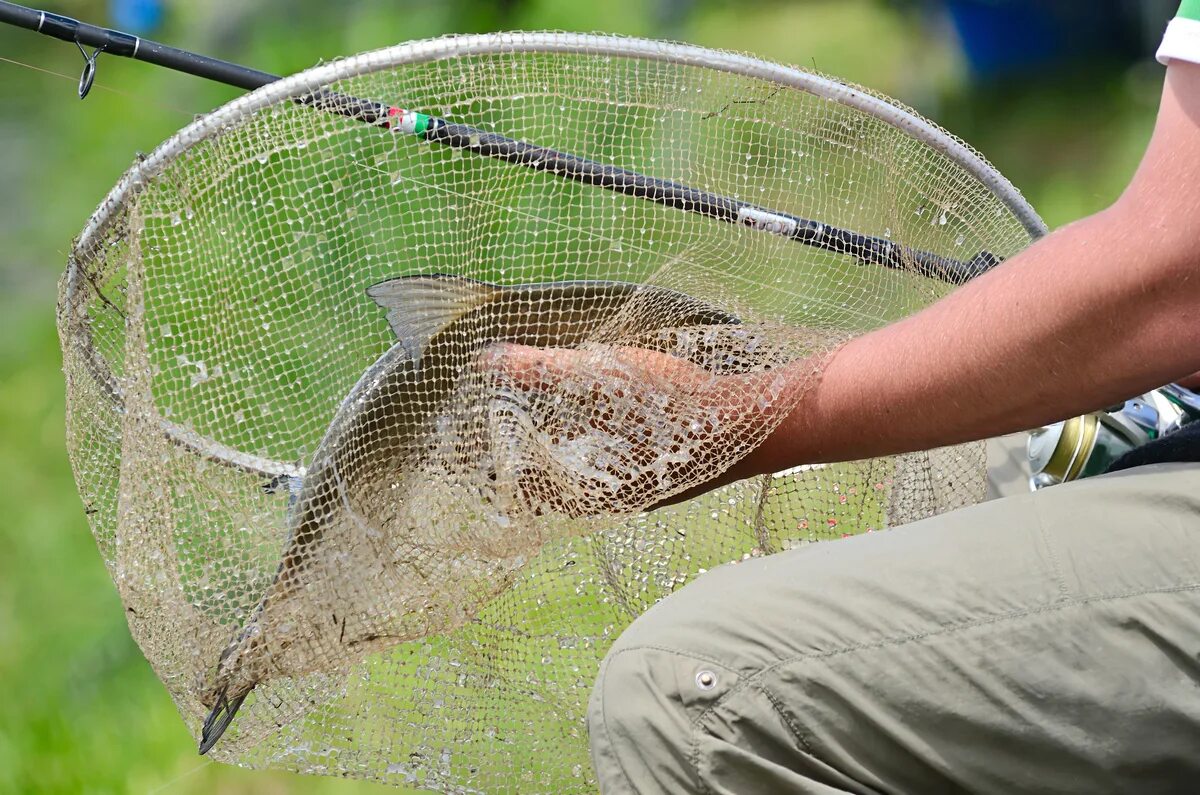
{"x":618,"y":430}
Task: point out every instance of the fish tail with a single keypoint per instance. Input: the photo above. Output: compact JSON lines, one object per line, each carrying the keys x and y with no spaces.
{"x":219,"y":718}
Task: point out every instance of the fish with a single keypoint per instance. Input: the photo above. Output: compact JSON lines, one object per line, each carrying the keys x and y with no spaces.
{"x":442,"y":323}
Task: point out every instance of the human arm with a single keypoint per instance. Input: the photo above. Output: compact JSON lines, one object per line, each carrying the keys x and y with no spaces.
{"x":1097,"y":311}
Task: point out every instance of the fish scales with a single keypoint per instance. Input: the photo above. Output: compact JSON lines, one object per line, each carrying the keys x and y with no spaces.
{"x":380,"y":431}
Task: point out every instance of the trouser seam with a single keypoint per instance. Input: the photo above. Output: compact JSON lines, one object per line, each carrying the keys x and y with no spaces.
{"x":694,"y":756}
{"x":798,"y":733}
{"x":744,"y":678}
{"x":1051,"y":553}
{"x":787,"y":719}
{"x":694,"y":759}
{"x":752,"y":679}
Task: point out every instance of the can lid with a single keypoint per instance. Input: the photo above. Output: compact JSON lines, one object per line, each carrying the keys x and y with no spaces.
{"x":1041,"y":446}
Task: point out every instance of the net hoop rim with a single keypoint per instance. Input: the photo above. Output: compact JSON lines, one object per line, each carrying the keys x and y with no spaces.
{"x":444,"y":47}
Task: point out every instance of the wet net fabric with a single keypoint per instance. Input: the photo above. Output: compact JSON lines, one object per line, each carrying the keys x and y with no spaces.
{"x":312,"y":492}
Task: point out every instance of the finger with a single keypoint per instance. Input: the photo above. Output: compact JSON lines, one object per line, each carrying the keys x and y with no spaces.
{"x":529,"y":366}
{"x":544,"y":367}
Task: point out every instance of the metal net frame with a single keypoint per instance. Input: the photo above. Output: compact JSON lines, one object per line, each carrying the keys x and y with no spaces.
{"x":317,"y":503}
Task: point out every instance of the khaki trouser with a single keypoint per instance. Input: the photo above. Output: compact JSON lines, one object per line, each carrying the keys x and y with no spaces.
{"x":1041,"y":643}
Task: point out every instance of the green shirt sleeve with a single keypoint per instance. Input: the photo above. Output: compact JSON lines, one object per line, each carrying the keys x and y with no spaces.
{"x":1189,"y":9}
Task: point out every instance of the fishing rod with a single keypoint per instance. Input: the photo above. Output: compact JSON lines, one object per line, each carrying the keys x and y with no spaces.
{"x":867,"y":249}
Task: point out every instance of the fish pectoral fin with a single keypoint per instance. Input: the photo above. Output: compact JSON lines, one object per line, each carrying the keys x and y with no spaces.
{"x":421,"y":306}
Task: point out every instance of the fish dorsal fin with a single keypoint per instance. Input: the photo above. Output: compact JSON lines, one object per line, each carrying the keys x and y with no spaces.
{"x":421,"y":306}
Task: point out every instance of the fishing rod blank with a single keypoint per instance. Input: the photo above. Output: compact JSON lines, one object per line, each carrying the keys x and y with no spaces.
{"x":867,"y":249}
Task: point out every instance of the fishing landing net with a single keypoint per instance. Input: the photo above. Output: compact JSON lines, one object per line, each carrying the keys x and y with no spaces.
{"x":317,"y":501}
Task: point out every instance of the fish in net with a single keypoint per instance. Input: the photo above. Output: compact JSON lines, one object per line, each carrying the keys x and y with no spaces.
{"x":349,"y":546}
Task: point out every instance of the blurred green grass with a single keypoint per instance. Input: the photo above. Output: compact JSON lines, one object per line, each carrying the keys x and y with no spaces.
{"x":82,"y":710}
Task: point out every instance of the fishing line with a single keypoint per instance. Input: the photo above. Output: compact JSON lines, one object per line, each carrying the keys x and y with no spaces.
{"x":126,"y":94}
{"x":181,"y":776}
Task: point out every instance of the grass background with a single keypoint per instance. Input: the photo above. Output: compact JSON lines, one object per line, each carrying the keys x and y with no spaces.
{"x":81,"y":710}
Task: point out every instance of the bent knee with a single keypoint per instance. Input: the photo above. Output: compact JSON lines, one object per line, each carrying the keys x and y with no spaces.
{"x":643,"y":713}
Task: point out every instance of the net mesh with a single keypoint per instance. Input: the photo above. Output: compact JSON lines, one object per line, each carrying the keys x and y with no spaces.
{"x":310,"y":489}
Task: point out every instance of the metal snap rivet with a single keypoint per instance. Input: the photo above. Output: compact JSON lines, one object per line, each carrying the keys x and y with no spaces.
{"x":706,"y":680}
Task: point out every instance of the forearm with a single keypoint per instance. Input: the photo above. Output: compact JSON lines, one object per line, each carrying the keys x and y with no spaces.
{"x":1094,"y":313}
{"x":1081,"y":320}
